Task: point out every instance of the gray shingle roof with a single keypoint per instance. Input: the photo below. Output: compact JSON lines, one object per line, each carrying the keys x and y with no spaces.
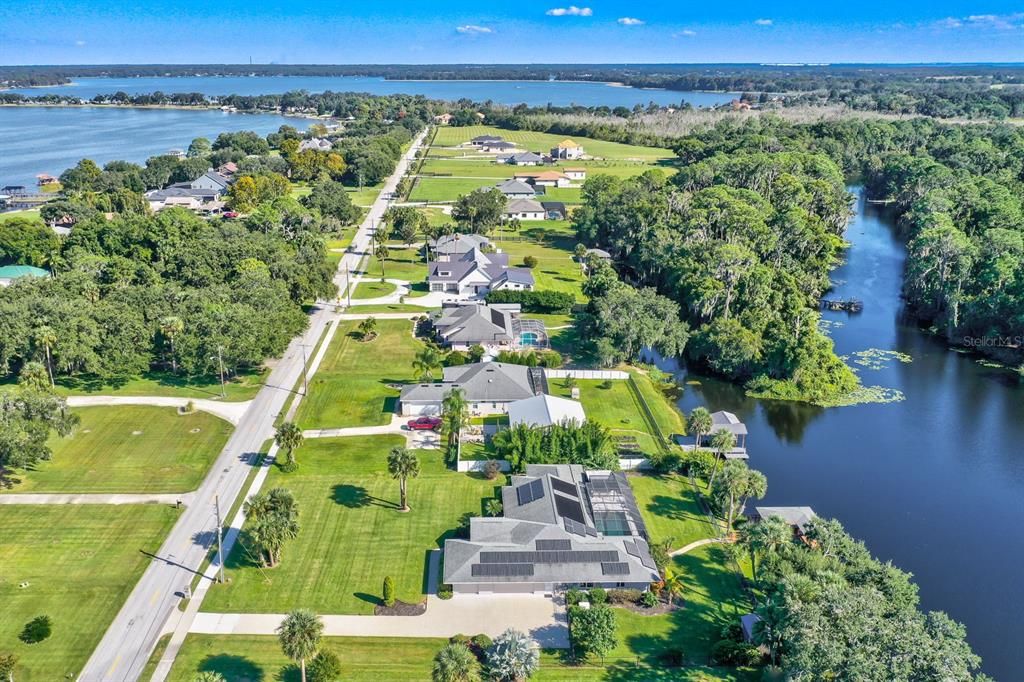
{"x":524,"y":206}
{"x":475,"y":324}
{"x":482,"y":382}
{"x":457,"y":244}
{"x":515,"y":187}
{"x":728,"y":421}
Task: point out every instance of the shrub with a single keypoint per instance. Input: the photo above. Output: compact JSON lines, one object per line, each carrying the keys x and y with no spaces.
{"x":389,"y":591}
{"x":530,"y":261}
{"x":36,"y":630}
{"x":555,"y":302}
{"x":480,"y":644}
{"x":597,"y":596}
{"x":493,"y":507}
{"x":492,"y":469}
{"x":673,"y":657}
{"x":459,"y":639}
{"x":648,"y":599}
{"x":325,"y":667}
{"x":551,"y":359}
{"x":456,"y":357}
{"x":190,"y":407}
{"x":476,"y":352}
{"x":606,"y":384}
{"x":445,"y":592}
{"x":624,"y":596}
{"x":728,"y":652}
{"x":288,"y":467}
{"x":574,"y":596}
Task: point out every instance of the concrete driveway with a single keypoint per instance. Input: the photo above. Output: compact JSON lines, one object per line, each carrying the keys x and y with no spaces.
{"x":424,"y":440}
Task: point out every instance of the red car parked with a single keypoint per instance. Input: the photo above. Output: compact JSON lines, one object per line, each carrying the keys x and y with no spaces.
{"x":424,"y":423}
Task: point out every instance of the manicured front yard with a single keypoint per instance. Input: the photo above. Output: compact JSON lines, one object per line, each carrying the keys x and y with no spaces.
{"x":352,"y":534}
{"x":373,"y":289}
{"x":77,"y":565}
{"x":129,"y":448}
{"x":351,"y":387}
{"x":402,"y":263}
{"x":241,"y":387}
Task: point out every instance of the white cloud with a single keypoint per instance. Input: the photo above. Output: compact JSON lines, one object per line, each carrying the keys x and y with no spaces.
{"x":631,"y":21}
{"x":570,"y":11}
{"x":685,"y":33}
{"x":1001,"y":22}
{"x":473,"y":29}
{"x":763,"y":22}
{"x":949,"y":22}
{"x":80,"y":43}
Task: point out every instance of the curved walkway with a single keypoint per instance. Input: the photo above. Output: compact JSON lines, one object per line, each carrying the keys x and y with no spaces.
{"x":231,"y":412}
{"x":694,"y":545}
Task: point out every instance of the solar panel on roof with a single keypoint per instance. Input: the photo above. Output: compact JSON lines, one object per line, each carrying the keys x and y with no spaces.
{"x":569,"y":508}
{"x":564,"y":487}
{"x":616,"y":568}
{"x":554,"y":545}
{"x":548,"y":557}
{"x":631,"y":548}
{"x":502,"y":570}
{"x":528,"y":492}
{"x":575,"y":528}
{"x":592,"y":532}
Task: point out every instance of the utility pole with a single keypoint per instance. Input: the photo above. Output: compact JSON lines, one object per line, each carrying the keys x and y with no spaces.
{"x":220,"y":362}
{"x":220,"y":541}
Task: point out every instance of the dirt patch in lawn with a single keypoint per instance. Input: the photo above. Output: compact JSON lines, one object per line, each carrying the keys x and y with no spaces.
{"x":401,"y":609}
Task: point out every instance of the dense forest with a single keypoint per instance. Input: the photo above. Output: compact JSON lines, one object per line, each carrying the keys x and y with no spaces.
{"x":974,"y":91}
{"x":744,"y":243}
{"x":132,"y":291}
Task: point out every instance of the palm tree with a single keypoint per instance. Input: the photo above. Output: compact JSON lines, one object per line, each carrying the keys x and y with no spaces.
{"x":381,"y":252}
{"x":170,"y":327}
{"x":426,"y":361}
{"x":403,"y":465}
{"x":34,"y":375}
{"x":674,"y":585}
{"x":368,"y":328}
{"x":454,"y":415}
{"x":722,"y":442}
{"x":767,"y":537}
{"x":513,"y":657}
{"x":456,"y":663}
{"x":7,"y":664}
{"x":581,"y":256}
{"x":46,"y":337}
{"x":699,"y":423}
{"x":768,"y":632}
{"x":289,"y":437}
{"x":272,"y":518}
{"x":493,"y":507}
{"x":299,"y":634}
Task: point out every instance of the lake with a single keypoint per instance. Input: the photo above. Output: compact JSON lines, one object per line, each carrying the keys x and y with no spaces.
{"x":50,"y":139}
{"x":935,"y":482}
{"x":533,"y":93}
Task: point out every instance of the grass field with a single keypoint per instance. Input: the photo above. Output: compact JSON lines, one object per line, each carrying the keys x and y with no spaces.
{"x":389,"y":308}
{"x":616,"y":407}
{"x":351,"y":386}
{"x":373,"y":289}
{"x":369,"y":659}
{"x":402,"y":263}
{"x":534,"y":141}
{"x":241,"y":387}
{"x":129,"y":449}
{"x":551,"y":242}
{"x":351,"y":532}
{"x":28,"y":213}
{"x":79,"y":564}
{"x":670,"y":420}
{"x":447,"y":189}
{"x":670,"y":509}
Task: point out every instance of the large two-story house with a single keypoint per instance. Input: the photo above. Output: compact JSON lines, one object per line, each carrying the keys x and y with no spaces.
{"x":475,"y":272}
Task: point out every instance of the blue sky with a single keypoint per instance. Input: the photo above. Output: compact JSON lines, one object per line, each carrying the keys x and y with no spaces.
{"x":341,"y":31}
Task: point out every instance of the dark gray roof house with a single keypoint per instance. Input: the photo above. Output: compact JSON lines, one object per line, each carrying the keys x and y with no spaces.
{"x":562,"y":526}
{"x":491,"y":326}
{"x":474,"y":273}
{"x":457,"y":244}
{"x":484,"y":140}
{"x":555,"y":210}
{"x":488,"y":388}
{"x":521,"y":159}
{"x":516,"y":189}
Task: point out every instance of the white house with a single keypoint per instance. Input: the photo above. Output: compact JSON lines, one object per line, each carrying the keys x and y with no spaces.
{"x":575,"y":174}
{"x":488,"y":387}
{"x":474,"y":273}
{"x":525,"y":209}
{"x":567,"y":149}
{"x":545,"y":410}
{"x":516,"y":189}
{"x":544,"y":178}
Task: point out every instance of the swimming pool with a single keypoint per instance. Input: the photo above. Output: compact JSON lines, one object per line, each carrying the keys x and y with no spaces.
{"x":529,"y":339}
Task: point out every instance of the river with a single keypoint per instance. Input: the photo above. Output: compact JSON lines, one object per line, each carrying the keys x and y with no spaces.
{"x":935,"y":482}
{"x":50,"y":139}
{"x":532,"y":93}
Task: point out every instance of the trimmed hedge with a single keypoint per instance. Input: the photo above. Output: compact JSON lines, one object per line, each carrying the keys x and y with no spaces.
{"x":552,"y":302}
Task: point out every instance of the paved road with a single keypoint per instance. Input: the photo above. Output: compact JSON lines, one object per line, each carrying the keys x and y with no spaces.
{"x":130,"y":639}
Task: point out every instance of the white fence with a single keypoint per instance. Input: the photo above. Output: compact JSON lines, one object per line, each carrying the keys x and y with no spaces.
{"x":633,"y":464}
{"x":586,"y":374}
{"x":480,"y":465}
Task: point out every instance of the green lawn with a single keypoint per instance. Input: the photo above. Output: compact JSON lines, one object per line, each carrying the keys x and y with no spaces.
{"x":78,"y":562}
{"x":670,"y":509}
{"x":670,"y":420}
{"x":535,"y":141}
{"x":351,"y":532}
{"x":402,"y":263}
{"x":366,"y":196}
{"x":388,"y":308}
{"x":616,"y":407}
{"x":28,"y":213}
{"x":241,"y":387}
{"x":447,"y":189}
{"x":129,"y":449}
{"x":373,"y":289}
{"x":551,"y":243}
{"x":351,"y":386}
